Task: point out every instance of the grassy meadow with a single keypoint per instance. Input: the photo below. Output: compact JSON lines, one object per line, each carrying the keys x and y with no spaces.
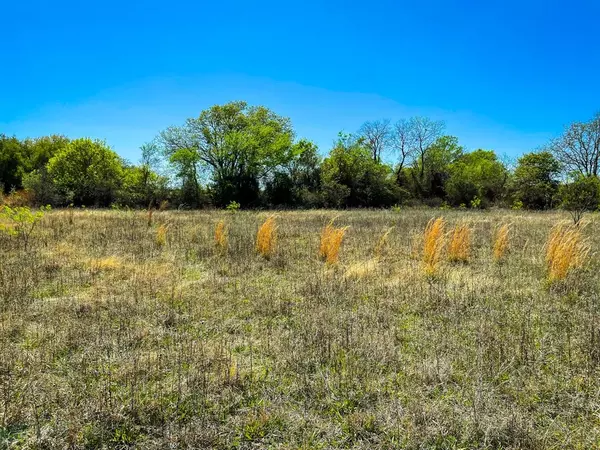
{"x":121,"y":329}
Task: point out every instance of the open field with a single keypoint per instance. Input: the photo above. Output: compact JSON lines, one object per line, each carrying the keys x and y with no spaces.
{"x":118,"y":333}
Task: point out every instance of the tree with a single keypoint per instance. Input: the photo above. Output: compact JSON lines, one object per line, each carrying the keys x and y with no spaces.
{"x":403,"y":142}
{"x":430,"y":171}
{"x":477,"y":174}
{"x":578,"y":149}
{"x":298,"y":182}
{"x":376,"y":136}
{"x":86,"y":172}
{"x":12,"y":163}
{"x":535,"y":181}
{"x":351,"y":178}
{"x":234,"y":145}
{"x":424,"y":133}
{"x":579,"y":196}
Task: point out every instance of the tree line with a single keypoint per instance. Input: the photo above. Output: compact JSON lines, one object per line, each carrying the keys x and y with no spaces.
{"x":236,"y":154}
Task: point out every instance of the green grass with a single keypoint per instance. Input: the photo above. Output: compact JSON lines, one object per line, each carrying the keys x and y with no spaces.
{"x":109,"y":340}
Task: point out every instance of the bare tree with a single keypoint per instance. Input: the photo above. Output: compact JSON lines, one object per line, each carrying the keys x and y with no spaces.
{"x":402,"y":142}
{"x":376,"y":136}
{"x":425,"y":132}
{"x":578,"y":149}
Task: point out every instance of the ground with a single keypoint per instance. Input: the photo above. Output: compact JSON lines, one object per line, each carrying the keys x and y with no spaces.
{"x":114,"y":334}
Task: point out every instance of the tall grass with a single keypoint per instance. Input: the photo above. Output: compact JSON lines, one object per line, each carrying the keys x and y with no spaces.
{"x":381,"y":243}
{"x":501,"y":243}
{"x":331,"y":241}
{"x":459,"y":249}
{"x":265,"y":238}
{"x":161,"y":235}
{"x":565,"y":250}
{"x":221,"y":236}
{"x":433,"y":245}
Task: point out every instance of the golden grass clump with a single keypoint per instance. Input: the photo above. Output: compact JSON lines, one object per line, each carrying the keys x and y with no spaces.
{"x":459,"y":249}
{"x":501,"y":243}
{"x":381,"y":243}
{"x":221,"y":236}
{"x":565,"y":250}
{"x":161,"y":235}
{"x":331,"y":241}
{"x":265,"y":238}
{"x":433,"y":245}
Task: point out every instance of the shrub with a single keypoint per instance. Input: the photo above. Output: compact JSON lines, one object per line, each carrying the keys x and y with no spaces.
{"x":22,"y":221}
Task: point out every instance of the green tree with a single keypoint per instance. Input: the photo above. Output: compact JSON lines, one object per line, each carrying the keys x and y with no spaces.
{"x":86,"y":172}
{"x":580,"y":195}
{"x":477,"y":174}
{"x":13,"y":164}
{"x":233,"y":145}
{"x":431,"y":170}
{"x":298,"y":182}
{"x":535,"y":181}
{"x":352,"y":178}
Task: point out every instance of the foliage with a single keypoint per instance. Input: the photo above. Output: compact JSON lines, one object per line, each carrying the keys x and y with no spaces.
{"x":233,"y":206}
{"x":21,"y":221}
{"x":352,"y":178}
{"x":431,"y":171}
{"x":580,"y":196}
{"x":478,"y":174}
{"x":234,"y":145}
{"x":535,"y":181}
{"x":87,"y":172}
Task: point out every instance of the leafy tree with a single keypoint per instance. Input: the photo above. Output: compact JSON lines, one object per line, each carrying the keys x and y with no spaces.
{"x":477,"y":174}
{"x":87,"y":172}
{"x":352,"y":178}
{"x":298,"y":182}
{"x":535,"y":181}
{"x":12,"y":163}
{"x":581,"y":195}
{"x":431,"y":171}
{"x":234,"y":145}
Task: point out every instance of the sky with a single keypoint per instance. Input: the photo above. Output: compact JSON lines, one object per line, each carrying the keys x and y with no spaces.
{"x":503,"y":75}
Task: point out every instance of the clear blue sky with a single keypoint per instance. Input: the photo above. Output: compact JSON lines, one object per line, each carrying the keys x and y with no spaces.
{"x":505,"y":75}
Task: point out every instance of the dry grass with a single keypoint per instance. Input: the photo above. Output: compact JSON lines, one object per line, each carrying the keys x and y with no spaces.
{"x":501,"y":243}
{"x":433,"y":245}
{"x":459,"y":249}
{"x":265,"y":238}
{"x":331,"y":241}
{"x":565,"y":251}
{"x":382,"y":243}
{"x":161,"y":235}
{"x":110,"y":341}
{"x":221,"y":236}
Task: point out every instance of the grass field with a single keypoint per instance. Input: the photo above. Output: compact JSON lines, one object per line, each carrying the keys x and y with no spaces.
{"x":118,"y":333}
